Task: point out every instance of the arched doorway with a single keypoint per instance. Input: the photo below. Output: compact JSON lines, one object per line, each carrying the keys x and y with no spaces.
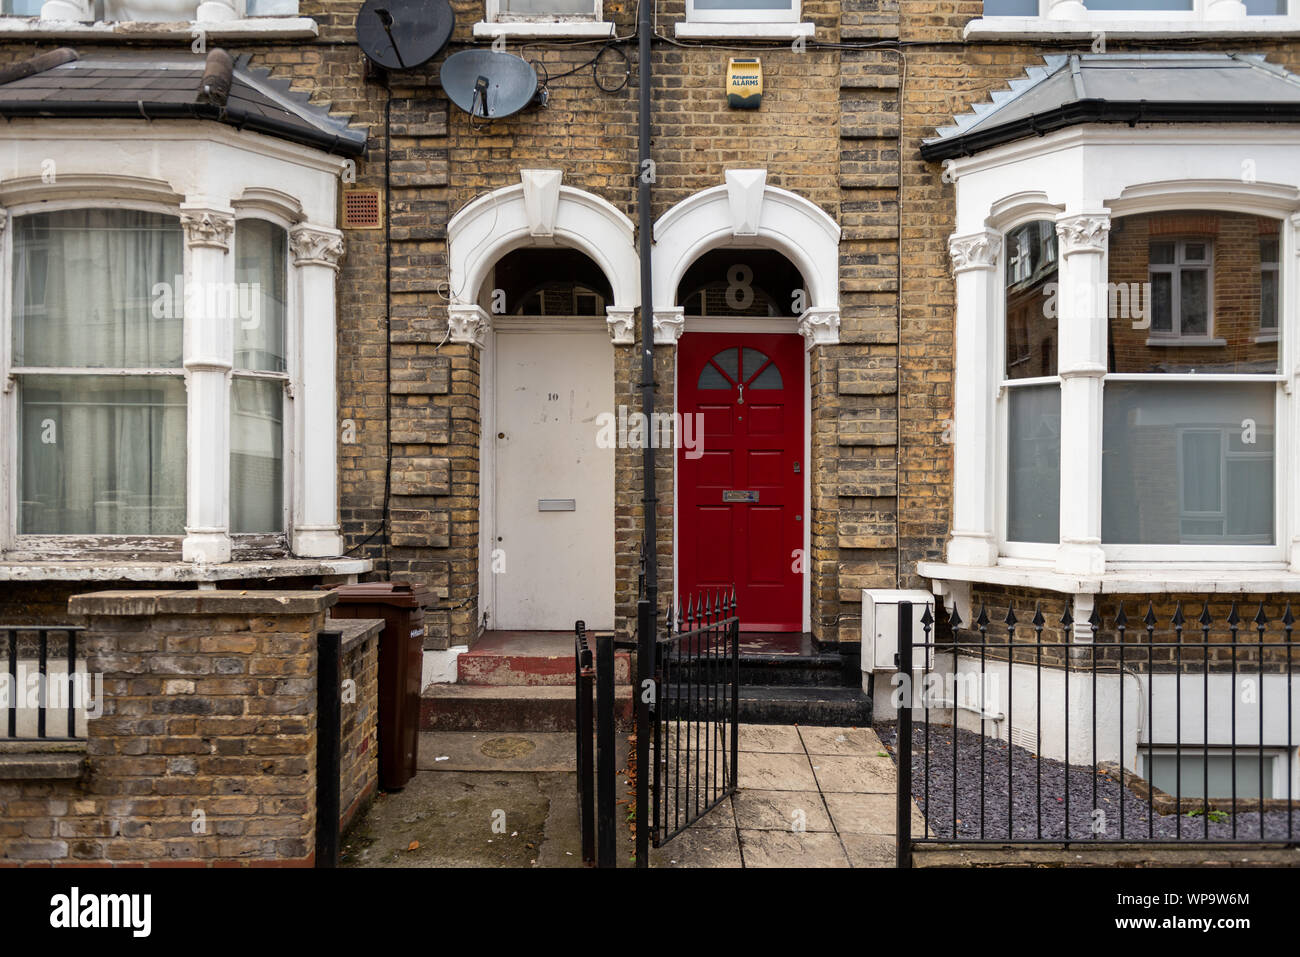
{"x":742,"y":491}
{"x":550,"y":502}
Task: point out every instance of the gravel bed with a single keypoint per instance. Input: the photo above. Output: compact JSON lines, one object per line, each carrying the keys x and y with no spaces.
{"x":985,"y":812}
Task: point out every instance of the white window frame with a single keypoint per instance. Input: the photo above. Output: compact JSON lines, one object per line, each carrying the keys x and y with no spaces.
{"x":1070,"y":19}
{"x":498,"y":24}
{"x":742,"y":15}
{"x":1226,"y":455}
{"x":1277,"y":775}
{"x":287,"y":378}
{"x":1269,"y":333}
{"x":93,"y":542}
{"x":1174,"y":335}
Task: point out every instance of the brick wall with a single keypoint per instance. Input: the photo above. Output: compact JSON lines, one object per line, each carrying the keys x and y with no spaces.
{"x":205,"y":753}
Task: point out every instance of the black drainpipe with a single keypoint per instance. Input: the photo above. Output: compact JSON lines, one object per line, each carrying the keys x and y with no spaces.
{"x":647,"y":610}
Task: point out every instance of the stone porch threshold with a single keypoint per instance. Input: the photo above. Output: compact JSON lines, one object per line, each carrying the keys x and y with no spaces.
{"x":163,"y":571}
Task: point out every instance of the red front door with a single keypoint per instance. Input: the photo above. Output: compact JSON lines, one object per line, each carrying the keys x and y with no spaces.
{"x":740,"y":491}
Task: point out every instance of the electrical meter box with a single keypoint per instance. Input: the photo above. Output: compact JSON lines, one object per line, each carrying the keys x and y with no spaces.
{"x":880,"y":628}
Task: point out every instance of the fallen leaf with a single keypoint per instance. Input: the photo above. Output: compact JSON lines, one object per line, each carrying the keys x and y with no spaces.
{"x":413,"y":846}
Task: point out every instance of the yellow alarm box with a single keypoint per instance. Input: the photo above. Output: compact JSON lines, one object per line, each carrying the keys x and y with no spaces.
{"x":744,"y":83}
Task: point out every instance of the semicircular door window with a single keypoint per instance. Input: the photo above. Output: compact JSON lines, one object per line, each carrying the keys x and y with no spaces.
{"x":746,"y":367}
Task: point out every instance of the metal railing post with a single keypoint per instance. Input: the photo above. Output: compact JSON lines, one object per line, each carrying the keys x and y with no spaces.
{"x":903,"y":825}
{"x":329,"y":725}
{"x":584,"y":677}
{"x":645,"y":624}
{"x":606,"y":850}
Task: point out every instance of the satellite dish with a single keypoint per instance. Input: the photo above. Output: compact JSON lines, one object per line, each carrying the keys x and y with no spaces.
{"x":488,"y":84}
{"x":404,"y":34}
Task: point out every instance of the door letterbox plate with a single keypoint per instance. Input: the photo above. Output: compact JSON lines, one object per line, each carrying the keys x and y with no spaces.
{"x":739,"y":495}
{"x":556,"y":505}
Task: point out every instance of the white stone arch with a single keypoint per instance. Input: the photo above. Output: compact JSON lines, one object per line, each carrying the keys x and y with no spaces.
{"x":540,"y":212}
{"x":746,"y":212}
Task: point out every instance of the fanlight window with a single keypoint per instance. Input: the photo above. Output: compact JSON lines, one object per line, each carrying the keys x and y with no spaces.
{"x":746,"y":368}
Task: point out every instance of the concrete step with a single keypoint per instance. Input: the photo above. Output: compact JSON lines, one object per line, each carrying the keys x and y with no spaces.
{"x":825,"y":670}
{"x":466,"y":707}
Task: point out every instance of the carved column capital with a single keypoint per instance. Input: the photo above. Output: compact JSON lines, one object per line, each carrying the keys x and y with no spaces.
{"x":316,"y":246}
{"x":468,"y":323}
{"x":974,"y":250}
{"x":619,"y":319}
{"x":669,"y":325}
{"x":820,"y":326}
{"x":1085,"y":233}
{"x":207,"y":226}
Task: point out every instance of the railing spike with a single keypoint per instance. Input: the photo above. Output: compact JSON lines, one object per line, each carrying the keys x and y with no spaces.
{"x":1178,"y":618}
{"x":1067,"y":619}
{"x":1149,"y":619}
{"x":1261,"y":619}
{"x":1288,"y":619}
{"x":1038,"y":620}
{"x":1204,"y":617}
{"x":982,"y":620}
{"x":954,"y":619}
{"x":1010,"y":619}
{"x":1121,"y":618}
{"x":1233,"y":618}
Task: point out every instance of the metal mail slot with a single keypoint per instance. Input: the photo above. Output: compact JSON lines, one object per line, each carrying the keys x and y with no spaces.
{"x":556,"y":505}
{"x":739,"y":495}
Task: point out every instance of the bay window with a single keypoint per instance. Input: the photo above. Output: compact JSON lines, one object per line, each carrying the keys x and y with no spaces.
{"x":117,"y":337}
{"x":1171,"y":365}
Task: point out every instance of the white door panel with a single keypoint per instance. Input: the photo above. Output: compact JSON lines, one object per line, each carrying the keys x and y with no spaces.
{"x":558,"y":565}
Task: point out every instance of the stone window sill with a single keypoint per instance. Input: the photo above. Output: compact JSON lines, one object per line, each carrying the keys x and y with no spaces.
{"x":253,"y":28}
{"x":176,"y":571}
{"x":1044,"y":28}
{"x":742,"y":31}
{"x":1120,"y":579}
{"x":42,"y":760}
{"x":526,"y":29}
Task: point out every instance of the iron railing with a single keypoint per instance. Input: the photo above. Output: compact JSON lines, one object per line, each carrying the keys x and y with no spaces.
{"x":1104,"y":731}
{"x":695,"y":713}
{"x":42,"y":705}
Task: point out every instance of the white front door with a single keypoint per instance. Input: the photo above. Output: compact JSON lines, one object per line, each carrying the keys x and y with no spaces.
{"x":553,"y":558}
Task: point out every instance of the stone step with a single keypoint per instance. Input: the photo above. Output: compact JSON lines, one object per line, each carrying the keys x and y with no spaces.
{"x":528,"y":659}
{"x":466,"y":707}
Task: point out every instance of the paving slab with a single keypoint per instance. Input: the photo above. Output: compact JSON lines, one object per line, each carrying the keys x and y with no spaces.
{"x":792,"y":849}
{"x":504,"y":751}
{"x":776,"y":772}
{"x":859,"y":741}
{"x":720,"y":816}
{"x":774,"y":738}
{"x":699,"y":847}
{"x":781,"y":810}
{"x":867,"y":813}
{"x":862,"y":775}
{"x":870,"y":850}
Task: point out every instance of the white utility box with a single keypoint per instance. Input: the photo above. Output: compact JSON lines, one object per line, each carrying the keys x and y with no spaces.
{"x":880,"y":628}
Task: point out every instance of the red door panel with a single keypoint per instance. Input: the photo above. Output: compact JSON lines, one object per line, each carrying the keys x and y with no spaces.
{"x":749,"y":390}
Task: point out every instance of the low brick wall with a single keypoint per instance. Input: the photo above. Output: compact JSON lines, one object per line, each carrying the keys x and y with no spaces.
{"x":359,"y":741}
{"x":205,"y":751}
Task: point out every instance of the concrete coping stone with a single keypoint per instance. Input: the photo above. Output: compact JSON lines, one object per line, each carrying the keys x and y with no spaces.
{"x":354,"y":630}
{"x":140,"y":603}
{"x":39,"y":764}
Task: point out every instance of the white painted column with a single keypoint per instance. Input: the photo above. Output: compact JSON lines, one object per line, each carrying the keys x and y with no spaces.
{"x":209,"y":356}
{"x":1289,"y":364}
{"x":977,"y":371}
{"x":1081,"y":363}
{"x":317,"y":252}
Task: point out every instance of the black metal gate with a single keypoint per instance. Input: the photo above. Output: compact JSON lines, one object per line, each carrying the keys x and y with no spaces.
{"x":694,"y":713}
